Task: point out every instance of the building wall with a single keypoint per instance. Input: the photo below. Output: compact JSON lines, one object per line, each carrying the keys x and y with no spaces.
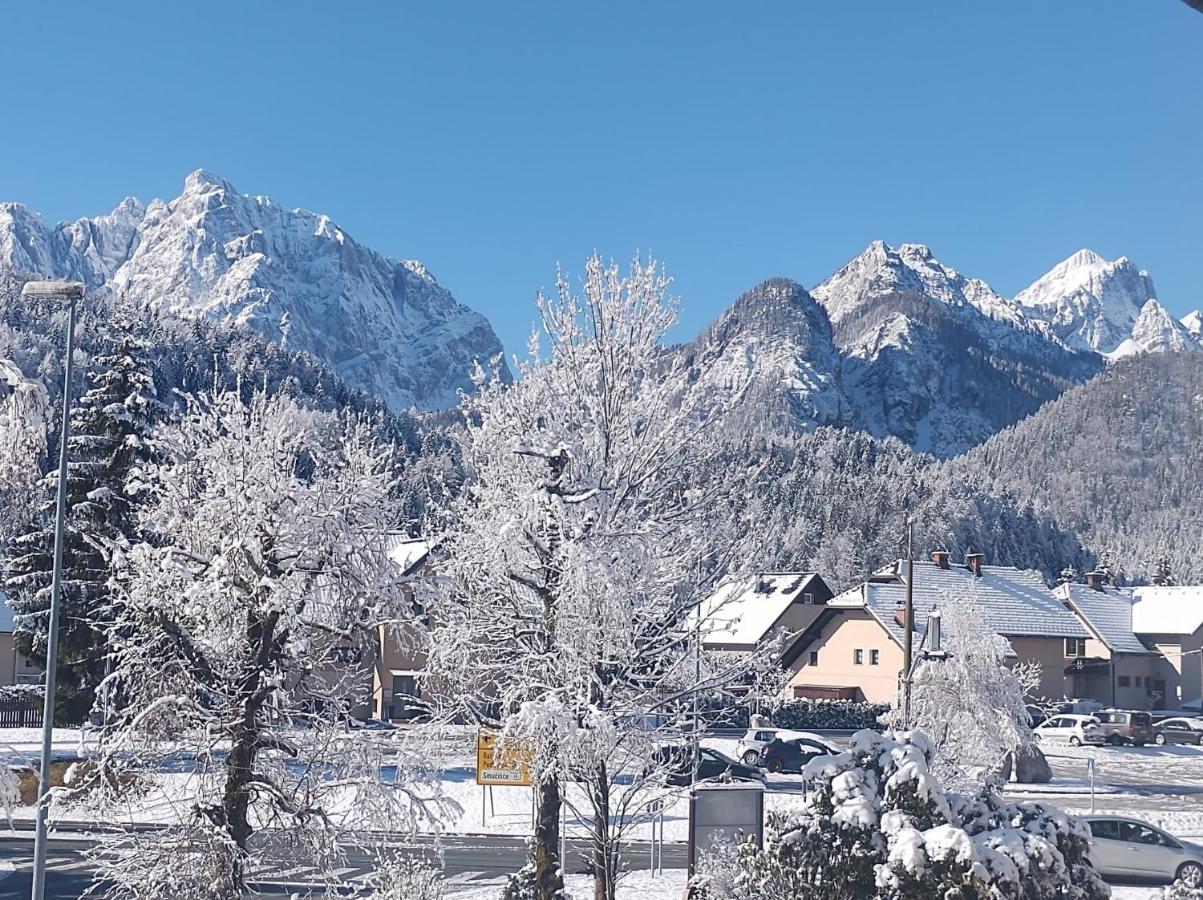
{"x":851,"y":630}
{"x":1050,"y":653}
{"x":1178,"y":666}
{"x":15,"y":668}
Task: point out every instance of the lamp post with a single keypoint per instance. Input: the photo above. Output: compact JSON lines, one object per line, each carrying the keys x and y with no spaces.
{"x":71,"y":292}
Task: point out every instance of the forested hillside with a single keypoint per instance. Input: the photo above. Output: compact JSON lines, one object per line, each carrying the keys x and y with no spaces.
{"x":1117,"y":461}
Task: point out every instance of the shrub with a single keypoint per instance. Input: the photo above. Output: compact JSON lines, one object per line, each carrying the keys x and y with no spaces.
{"x":880,"y":826}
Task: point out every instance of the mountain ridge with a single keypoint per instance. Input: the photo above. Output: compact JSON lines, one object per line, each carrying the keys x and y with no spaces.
{"x":385,"y":326}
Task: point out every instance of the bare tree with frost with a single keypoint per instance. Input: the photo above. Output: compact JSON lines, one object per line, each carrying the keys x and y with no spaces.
{"x":595,"y":519}
{"x":241,"y":642}
{"x":968,"y":700}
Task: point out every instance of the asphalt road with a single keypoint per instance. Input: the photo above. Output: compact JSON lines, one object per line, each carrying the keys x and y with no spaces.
{"x":69,"y":872}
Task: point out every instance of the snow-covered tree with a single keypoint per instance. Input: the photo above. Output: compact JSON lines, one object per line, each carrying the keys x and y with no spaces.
{"x":967,"y":699}
{"x":242,"y":639}
{"x":597,"y":515}
{"x":1163,"y":576}
{"x":110,"y":426}
{"x":879,"y":825}
{"x":24,"y":409}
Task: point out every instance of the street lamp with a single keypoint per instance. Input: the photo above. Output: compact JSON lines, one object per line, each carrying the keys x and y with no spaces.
{"x":70,"y":292}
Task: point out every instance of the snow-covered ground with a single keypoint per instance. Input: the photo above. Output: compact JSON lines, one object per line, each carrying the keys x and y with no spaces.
{"x":634,"y":886}
{"x":1162,"y":785}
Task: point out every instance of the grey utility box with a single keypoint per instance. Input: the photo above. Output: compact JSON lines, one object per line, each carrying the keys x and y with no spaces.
{"x":724,"y":813}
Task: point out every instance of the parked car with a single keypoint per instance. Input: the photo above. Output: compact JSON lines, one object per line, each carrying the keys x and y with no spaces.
{"x":678,"y":762}
{"x":1074,"y":728}
{"x":1036,"y":715}
{"x":1128,"y":848}
{"x":1123,"y":726}
{"x":1182,"y":730}
{"x":793,"y":753}
{"x":754,"y":740}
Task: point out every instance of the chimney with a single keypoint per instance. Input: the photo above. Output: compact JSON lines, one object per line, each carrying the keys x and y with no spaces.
{"x":1094,"y":580}
{"x":940,"y":558}
{"x":934,"y":632}
{"x":973,"y":562}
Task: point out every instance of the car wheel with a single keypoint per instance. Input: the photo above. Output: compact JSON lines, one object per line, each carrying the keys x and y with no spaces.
{"x":751,"y":758}
{"x":1191,"y":874}
{"x":1075,"y":741}
{"x":1160,"y":740}
{"x":1114,"y":740}
{"x":773,"y":765}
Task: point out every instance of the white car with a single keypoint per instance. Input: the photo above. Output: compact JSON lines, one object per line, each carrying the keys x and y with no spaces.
{"x":1128,"y":848}
{"x":1074,"y":728}
{"x":750,"y":747}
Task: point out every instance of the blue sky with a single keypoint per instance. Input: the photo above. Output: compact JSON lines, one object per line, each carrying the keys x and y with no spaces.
{"x":735,"y":141}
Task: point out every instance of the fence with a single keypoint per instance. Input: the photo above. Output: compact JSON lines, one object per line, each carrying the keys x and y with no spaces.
{"x":20,"y":714}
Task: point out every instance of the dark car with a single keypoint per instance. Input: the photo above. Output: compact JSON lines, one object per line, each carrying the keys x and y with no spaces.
{"x":677,"y":763}
{"x":1181,"y":730}
{"x":792,"y":754}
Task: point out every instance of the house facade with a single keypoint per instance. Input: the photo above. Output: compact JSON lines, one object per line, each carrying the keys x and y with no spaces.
{"x":1113,"y":666}
{"x":1169,"y":620}
{"x":854,"y":648}
{"x":15,"y":667}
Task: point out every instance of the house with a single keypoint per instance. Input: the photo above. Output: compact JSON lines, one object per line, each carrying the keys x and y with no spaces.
{"x":854,"y":647}
{"x":1115,"y":667}
{"x":396,"y":689}
{"x":743,"y":615}
{"x":15,"y":667}
{"x":1169,"y":620}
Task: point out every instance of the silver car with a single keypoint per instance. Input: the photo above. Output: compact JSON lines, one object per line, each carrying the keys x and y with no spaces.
{"x":1123,"y":849}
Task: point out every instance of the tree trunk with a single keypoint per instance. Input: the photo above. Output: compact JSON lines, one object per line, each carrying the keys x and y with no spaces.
{"x":548,"y":877}
{"x":605,"y":862}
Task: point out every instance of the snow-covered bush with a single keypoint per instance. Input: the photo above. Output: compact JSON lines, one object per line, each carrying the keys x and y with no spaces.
{"x":403,"y":878}
{"x":1180,"y":890}
{"x":880,"y":825}
{"x":842,"y":714}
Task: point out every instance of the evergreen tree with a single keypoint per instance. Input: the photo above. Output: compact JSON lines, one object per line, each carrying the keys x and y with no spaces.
{"x":1162,"y":576}
{"x":110,"y":427}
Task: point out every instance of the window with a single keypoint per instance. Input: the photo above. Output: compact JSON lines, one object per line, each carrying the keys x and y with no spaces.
{"x":1138,"y":681}
{"x":814,"y":657}
{"x":808,"y":598}
{"x":1105,"y":828}
{"x":405,"y":686}
{"x":874,"y":657}
{"x":1075,"y":647}
{"x":858,"y":657}
{"x":1123,"y":680}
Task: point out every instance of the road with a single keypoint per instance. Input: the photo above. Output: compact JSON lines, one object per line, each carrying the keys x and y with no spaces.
{"x":69,"y":872}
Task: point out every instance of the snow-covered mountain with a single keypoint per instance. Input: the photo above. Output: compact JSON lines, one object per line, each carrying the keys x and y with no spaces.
{"x":935,"y":358}
{"x":1193,"y":323}
{"x":1105,"y":306}
{"x":384,"y":326}
{"x":779,"y":338}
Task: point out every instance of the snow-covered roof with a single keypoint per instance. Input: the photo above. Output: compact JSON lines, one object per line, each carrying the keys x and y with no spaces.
{"x":743,"y":612}
{"x":1108,"y":612}
{"x":1168,"y":610}
{"x":1015,"y":602}
{"x":408,"y":553}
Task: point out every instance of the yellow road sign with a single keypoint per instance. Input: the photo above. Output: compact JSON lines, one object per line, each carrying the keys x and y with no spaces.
{"x":500,"y":762}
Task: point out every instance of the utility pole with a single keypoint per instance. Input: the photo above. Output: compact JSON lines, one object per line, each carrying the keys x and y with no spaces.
{"x":70,"y":292}
{"x":908,"y":621}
